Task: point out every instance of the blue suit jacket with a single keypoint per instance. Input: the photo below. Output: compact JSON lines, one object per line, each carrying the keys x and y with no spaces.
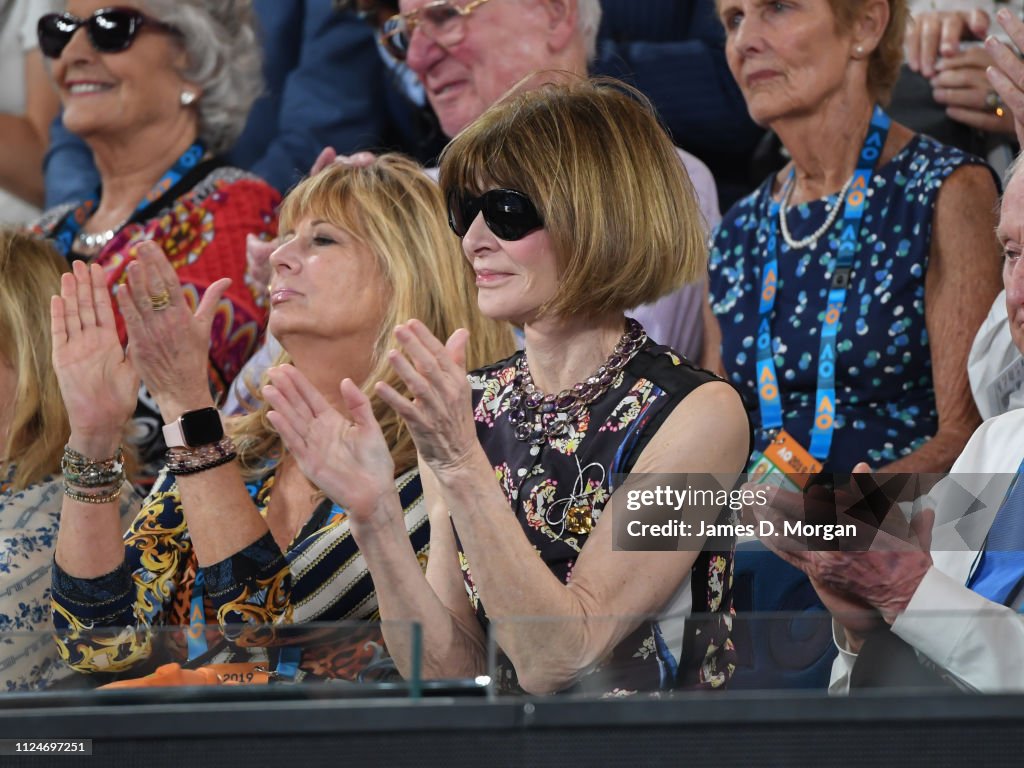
{"x":674,"y":51}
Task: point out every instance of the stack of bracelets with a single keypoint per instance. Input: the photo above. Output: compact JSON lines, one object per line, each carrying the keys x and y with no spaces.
{"x":90,"y":481}
{"x":190,"y":460}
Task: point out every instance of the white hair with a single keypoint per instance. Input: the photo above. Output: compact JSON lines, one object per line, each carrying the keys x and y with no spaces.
{"x":589,"y":13}
{"x":224,"y":59}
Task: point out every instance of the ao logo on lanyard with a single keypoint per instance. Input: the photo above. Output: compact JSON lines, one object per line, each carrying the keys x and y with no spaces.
{"x":767,"y":378}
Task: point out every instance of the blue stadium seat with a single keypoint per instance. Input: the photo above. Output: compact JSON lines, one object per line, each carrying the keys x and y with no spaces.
{"x":794,"y":650}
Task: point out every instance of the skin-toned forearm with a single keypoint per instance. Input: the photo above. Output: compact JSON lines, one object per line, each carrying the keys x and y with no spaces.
{"x":89,"y":542}
{"x":404,"y":595}
{"x":513,"y":582}
{"x":963,"y":278}
{"x":938,"y":454}
{"x":222,"y":519}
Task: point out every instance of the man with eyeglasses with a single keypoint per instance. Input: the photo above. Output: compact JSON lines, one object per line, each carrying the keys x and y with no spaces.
{"x":469,"y":53}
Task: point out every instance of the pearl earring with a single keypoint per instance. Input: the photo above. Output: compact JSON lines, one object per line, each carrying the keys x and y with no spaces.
{"x":859,"y":51}
{"x":187,"y":97}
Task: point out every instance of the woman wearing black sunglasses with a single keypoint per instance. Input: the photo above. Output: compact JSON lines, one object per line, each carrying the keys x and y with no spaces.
{"x":159,"y":90}
{"x":572,"y":206}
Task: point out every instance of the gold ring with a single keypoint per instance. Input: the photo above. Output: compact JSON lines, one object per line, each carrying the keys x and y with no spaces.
{"x":160,"y":301}
{"x":993,"y":102}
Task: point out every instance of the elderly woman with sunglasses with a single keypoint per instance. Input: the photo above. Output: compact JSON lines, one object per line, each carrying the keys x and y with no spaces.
{"x":572,"y":206}
{"x":159,"y":90}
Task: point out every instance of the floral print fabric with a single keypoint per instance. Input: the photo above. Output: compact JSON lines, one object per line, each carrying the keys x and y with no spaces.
{"x":543,"y":483}
{"x":203,"y":233}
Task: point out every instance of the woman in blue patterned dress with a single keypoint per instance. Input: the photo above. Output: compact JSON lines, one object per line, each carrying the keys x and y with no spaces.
{"x":848,"y":287}
{"x":572,"y":207}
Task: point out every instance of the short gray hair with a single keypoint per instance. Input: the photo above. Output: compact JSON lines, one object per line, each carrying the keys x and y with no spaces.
{"x":589,"y":12}
{"x":224,"y":59}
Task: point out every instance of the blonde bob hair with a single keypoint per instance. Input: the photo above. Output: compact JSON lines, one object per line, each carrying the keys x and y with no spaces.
{"x":393,"y":208}
{"x":615,"y":198}
{"x":30,"y":271}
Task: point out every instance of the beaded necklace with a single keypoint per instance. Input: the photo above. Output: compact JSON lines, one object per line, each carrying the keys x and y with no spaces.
{"x":535,"y":417}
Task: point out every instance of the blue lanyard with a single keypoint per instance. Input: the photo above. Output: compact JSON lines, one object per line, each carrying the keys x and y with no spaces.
{"x":67,"y":231}
{"x":288,"y":661}
{"x":288,"y":658}
{"x":853,"y":212}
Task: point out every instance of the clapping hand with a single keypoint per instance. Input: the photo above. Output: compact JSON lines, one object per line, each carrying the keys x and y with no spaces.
{"x":876,"y":570}
{"x":346,"y":457}
{"x":168,"y":345}
{"x":99,"y":386}
{"x":962,"y":86}
{"x":440,"y":414}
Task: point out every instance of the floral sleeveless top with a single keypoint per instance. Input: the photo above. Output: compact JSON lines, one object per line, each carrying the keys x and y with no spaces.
{"x":542,"y":483}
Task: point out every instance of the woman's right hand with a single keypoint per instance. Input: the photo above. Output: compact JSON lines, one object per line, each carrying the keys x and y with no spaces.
{"x":99,"y":386}
{"x":345,"y":457}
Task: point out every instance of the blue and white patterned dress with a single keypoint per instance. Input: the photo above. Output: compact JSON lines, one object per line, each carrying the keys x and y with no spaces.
{"x":885,"y":396}
{"x":28,"y":533}
{"x":29,"y":658}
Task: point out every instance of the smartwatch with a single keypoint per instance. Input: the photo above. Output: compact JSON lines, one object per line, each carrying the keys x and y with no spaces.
{"x":194,"y":428}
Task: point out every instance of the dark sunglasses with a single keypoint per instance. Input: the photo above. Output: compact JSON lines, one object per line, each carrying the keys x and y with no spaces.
{"x":110,"y":30}
{"x":508,"y":214}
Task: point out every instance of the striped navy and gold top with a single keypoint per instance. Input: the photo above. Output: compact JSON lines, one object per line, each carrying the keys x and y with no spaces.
{"x":103,"y":623}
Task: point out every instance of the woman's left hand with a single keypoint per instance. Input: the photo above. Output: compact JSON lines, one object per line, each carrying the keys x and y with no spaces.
{"x":440,"y":415}
{"x":961,"y":85}
{"x":168,"y":345}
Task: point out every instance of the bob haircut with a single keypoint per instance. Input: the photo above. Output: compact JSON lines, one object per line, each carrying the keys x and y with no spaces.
{"x":887,"y":58}
{"x":616,"y":200}
{"x":224,"y":60}
{"x":393,"y":208}
{"x":30,"y":271}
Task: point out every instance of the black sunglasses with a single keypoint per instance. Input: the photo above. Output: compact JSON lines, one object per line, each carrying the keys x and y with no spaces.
{"x":110,"y":30}
{"x":508,"y":214}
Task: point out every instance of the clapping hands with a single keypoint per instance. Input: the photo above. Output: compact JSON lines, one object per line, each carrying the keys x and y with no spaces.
{"x":98,"y":384}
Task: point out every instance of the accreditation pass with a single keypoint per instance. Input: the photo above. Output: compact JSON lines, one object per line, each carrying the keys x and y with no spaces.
{"x":28,"y":747}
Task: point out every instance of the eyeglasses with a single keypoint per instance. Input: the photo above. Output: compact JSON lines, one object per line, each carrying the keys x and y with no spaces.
{"x":508,"y":214}
{"x":110,"y":30}
{"x":442,"y":21}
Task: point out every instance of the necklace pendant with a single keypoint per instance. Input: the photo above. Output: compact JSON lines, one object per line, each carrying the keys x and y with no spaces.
{"x":579,"y":520}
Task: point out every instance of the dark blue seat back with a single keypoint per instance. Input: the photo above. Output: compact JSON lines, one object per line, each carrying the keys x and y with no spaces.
{"x":793,"y":651}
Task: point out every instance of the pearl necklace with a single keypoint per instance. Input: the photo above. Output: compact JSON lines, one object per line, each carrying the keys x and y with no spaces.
{"x":535,"y":416}
{"x":95,"y":241}
{"x":812,"y":239}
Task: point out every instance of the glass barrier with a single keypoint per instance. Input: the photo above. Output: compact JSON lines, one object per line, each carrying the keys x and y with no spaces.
{"x":795,"y":652}
{"x":347,"y":659}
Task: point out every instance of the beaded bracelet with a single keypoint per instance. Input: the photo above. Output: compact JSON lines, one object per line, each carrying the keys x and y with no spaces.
{"x":189,"y":461}
{"x":90,"y":498}
{"x":91,"y":481}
